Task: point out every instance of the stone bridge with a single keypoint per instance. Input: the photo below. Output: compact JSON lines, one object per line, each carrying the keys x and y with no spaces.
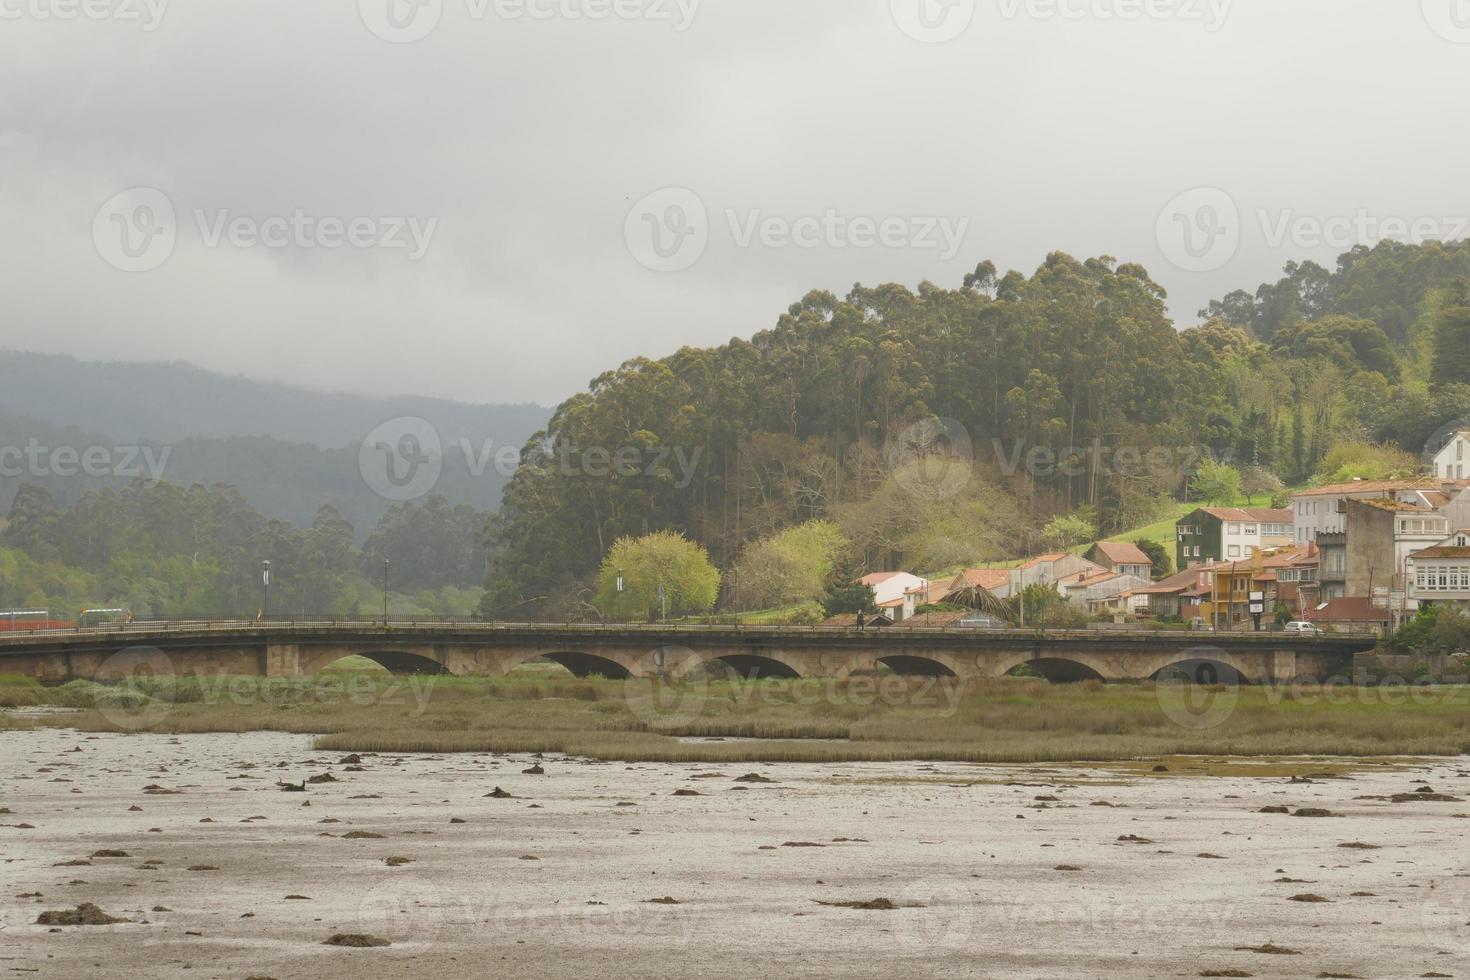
{"x":494,"y":650}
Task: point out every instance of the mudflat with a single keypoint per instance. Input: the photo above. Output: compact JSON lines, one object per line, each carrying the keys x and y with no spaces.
{"x":238,"y":856}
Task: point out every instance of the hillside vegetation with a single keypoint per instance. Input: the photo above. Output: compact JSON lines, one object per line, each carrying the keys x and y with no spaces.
{"x":1069,"y":396}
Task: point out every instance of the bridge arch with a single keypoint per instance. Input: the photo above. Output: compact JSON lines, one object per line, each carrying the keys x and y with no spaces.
{"x":1057,"y":670}
{"x":578,"y":663}
{"x":1202,"y":669}
{"x":584,"y":665}
{"x":756,"y":666}
{"x":911,"y":666}
{"x":393,"y":661}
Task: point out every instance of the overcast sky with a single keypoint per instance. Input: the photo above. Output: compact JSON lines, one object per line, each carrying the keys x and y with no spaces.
{"x":496,"y":200}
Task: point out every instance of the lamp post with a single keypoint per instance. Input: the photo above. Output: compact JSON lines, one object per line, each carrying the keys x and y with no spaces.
{"x":265,"y":579}
{"x":385,"y":592}
{"x":620,"y":587}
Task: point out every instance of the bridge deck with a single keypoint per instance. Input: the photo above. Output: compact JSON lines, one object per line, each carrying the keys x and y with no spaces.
{"x":494,"y":649}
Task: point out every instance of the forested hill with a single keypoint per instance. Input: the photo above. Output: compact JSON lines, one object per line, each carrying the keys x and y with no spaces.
{"x":283,"y":480}
{"x":1386,"y":284}
{"x":805,"y":420}
{"x":170,"y":402}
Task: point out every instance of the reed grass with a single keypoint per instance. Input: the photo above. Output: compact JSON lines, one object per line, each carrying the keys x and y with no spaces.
{"x":993,"y":721}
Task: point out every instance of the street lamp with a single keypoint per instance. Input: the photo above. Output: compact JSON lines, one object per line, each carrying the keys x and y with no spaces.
{"x":385,"y":592}
{"x":265,"y":579}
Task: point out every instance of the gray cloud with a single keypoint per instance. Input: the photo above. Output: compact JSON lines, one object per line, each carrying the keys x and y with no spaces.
{"x":1042,"y":126}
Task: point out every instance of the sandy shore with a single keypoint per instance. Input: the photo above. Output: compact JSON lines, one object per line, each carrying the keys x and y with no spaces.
{"x":557,"y":881}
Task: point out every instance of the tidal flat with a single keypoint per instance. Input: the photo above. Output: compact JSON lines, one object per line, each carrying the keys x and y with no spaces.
{"x":263,"y":854}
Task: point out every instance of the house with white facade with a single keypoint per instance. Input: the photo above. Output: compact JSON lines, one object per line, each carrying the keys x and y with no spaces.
{"x":1442,"y":573}
{"x":897,"y":594}
{"x":1453,"y":461}
{"x":1323,"y":510}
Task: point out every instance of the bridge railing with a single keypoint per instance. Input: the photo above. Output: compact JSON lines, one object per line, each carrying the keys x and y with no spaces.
{"x":223,"y":625}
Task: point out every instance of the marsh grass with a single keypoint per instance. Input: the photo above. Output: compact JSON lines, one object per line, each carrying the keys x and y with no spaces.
{"x":1006,"y":720}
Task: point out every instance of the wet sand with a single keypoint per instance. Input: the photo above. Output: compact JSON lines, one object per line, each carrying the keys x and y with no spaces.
{"x":558,"y":881}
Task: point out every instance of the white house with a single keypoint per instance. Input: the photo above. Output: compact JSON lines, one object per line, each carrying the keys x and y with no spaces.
{"x":1322,"y":510}
{"x":897,"y":594}
{"x":1442,"y":573}
{"x":1453,"y":461}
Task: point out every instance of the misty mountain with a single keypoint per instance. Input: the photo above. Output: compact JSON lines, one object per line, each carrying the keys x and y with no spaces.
{"x":171,"y":402}
{"x":288,"y":451}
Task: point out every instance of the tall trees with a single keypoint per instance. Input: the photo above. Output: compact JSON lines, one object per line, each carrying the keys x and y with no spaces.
{"x":799,"y":422}
{"x":167,"y":551}
{"x":1452,"y":347}
{"x":663,"y":564}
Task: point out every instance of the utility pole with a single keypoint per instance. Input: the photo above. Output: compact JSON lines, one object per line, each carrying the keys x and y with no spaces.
{"x":1022,"y":570}
{"x":265,"y":578}
{"x":385,"y":593}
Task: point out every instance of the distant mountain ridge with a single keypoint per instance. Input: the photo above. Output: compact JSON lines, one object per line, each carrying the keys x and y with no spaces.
{"x":287,"y":450}
{"x":168,"y":402}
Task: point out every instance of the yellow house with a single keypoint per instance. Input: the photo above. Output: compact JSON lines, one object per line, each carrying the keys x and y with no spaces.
{"x":1228,"y":603}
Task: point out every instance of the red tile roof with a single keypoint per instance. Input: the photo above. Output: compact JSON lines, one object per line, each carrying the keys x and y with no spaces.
{"x":1123,"y":553}
{"x":878,"y":578}
{"x":1351,"y":609}
{"x":1449,"y":551}
{"x":1383,"y":486}
{"x":983,"y":578}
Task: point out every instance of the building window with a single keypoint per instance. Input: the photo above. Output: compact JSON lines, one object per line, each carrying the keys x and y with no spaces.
{"x":1234,"y":551}
{"x":1251,"y":529}
{"x":1235,"y":528}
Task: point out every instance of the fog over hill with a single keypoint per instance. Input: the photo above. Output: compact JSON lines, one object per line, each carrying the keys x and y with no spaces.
{"x":169,"y":402}
{"x":289,"y":451}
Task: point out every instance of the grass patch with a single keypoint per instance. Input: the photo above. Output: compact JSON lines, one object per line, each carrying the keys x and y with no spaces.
{"x":543,"y":709}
